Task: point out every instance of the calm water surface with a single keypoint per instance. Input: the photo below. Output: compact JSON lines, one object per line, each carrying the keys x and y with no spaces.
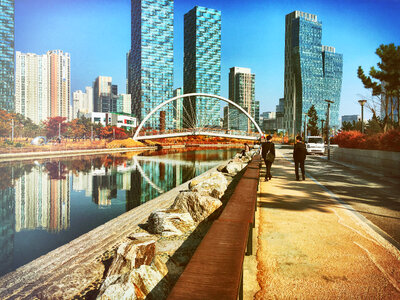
{"x":47,"y":203}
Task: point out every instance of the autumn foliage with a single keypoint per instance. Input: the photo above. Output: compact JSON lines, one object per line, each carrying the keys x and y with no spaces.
{"x":389,"y":141}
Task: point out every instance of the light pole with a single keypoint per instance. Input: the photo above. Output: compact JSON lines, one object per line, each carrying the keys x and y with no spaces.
{"x":327,"y":127}
{"x":362,"y":102}
{"x":12,"y":130}
{"x":59,"y":131}
{"x":322,"y":128}
{"x":305,"y":125}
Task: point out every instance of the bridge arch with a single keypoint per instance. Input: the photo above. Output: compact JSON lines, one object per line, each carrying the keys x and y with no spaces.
{"x":190,"y":95}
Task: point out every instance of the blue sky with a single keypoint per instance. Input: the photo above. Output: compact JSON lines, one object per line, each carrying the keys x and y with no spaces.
{"x":97,"y":35}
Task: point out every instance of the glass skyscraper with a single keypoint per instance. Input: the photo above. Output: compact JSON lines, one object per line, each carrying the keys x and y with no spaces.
{"x":150,"y":61}
{"x":313,"y":72}
{"x":7,"y":55}
{"x":202,"y":65}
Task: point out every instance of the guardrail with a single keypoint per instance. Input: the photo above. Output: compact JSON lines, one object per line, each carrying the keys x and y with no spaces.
{"x":215,"y":270}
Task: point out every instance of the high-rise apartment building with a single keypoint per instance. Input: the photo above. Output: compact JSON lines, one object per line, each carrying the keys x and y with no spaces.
{"x":102,"y":94}
{"x":150,"y":66}
{"x":7,"y":55}
{"x":202,"y":64}
{"x":241,"y":91}
{"x":123,"y":104}
{"x":31,"y":86}
{"x":42,"y":85}
{"x":82,"y":102}
{"x":313,"y":72}
{"x":59,"y":80}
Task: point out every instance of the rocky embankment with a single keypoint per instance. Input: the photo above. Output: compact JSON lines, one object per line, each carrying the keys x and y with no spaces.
{"x":150,"y":261}
{"x":129,"y":258}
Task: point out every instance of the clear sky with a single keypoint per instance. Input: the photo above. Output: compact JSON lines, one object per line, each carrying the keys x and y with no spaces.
{"x":97,"y":35}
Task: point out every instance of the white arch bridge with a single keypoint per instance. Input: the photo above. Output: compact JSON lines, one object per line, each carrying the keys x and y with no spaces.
{"x":191,"y":127}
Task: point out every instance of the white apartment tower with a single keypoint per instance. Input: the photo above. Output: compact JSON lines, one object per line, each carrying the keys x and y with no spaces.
{"x":42,"y":85}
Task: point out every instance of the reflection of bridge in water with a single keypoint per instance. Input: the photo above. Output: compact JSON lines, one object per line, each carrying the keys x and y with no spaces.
{"x":210,"y":163}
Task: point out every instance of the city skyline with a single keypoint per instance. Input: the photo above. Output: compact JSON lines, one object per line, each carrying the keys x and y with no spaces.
{"x":76,"y":25}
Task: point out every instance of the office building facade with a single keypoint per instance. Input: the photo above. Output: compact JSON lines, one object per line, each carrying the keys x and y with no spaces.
{"x":150,"y":61}
{"x":202,"y":65}
{"x":7,"y":55}
{"x":313,"y":72}
{"x":241,"y":91}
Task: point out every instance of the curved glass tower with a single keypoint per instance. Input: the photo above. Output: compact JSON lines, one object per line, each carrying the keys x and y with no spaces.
{"x":313,"y":72}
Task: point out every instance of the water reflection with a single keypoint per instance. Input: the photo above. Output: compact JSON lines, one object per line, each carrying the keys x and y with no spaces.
{"x":46,"y":203}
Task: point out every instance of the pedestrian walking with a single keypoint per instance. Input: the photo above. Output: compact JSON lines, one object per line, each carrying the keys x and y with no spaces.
{"x":268,"y":154}
{"x":299,"y":156}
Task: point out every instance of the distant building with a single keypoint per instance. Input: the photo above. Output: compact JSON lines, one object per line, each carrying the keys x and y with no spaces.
{"x":313,"y":72}
{"x":257,"y":112}
{"x":59,"y":65}
{"x":280,"y":115}
{"x":82,"y":102}
{"x":269,"y":121}
{"x":225,"y":123}
{"x":123,"y":104}
{"x":7,"y":55}
{"x":351,"y":118}
{"x":202,"y":65}
{"x":150,"y":66}
{"x":178,"y":109}
{"x":241,"y":91}
{"x":102,"y":94}
{"x":42,"y":85}
{"x":113,"y":119}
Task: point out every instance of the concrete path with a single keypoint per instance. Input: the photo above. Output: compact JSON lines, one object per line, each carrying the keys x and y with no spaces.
{"x":309,"y":246}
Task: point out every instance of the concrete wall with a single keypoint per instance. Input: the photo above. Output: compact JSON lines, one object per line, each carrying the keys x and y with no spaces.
{"x":385,"y":162}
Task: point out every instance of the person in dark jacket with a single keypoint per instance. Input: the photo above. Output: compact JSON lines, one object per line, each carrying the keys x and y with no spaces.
{"x":268,"y":154}
{"x":299,"y":156}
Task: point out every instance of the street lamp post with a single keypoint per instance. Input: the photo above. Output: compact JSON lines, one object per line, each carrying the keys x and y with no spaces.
{"x":362,"y":102}
{"x":327,"y":127}
{"x":305,"y":125}
{"x":322,"y":127}
{"x":12,"y":130}
{"x":59,"y":131}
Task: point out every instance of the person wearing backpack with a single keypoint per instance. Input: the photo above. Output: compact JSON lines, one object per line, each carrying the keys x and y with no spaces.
{"x":268,"y":154}
{"x":299,"y":156}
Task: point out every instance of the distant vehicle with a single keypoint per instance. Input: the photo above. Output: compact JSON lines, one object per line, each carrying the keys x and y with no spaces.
{"x":315,"y":144}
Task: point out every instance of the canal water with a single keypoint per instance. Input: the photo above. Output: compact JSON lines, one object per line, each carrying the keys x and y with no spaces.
{"x":47,"y":203}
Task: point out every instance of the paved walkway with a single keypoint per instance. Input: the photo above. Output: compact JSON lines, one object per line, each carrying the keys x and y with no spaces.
{"x":309,"y":246}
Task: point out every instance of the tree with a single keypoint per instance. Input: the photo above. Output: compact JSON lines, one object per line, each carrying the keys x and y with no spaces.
{"x":384,"y":83}
{"x":312,"y":121}
{"x":54,"y":125}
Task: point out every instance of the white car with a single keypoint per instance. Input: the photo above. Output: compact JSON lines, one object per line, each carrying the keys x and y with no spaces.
{"x":315,"y":144}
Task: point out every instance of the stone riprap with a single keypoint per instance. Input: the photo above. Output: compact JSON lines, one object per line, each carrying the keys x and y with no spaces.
{"x":143,"y":262}
{"x":189,"y":208}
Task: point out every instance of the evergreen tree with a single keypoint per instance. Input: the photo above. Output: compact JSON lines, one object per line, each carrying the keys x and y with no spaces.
{"x":312,"y":125}
{"x":385,"y":83}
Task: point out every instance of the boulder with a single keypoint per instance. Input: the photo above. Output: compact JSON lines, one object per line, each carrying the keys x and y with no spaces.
{"x":234,"y":167}
{"x":131,"y":255}
{"x":196,"y":204}
{"x":145,"y":279}
{"x":213,"y":184}
{"x":169,"y":222}
{"x":119,"y":291}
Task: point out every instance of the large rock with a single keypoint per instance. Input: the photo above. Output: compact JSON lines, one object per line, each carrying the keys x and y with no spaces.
{"x":123,"y":291}
{"x":131,"y":255}
{"x":234,"y":167}
{"x":197,"y":205}
{"x":146,"y":279}
{"x":169,"y":222}
{"x":212,"y":184}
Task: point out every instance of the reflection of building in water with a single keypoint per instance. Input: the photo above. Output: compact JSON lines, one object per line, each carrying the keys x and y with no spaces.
{"x":102,"y":184}
{"x":7,"y":231}
{"x":41,"y":202}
